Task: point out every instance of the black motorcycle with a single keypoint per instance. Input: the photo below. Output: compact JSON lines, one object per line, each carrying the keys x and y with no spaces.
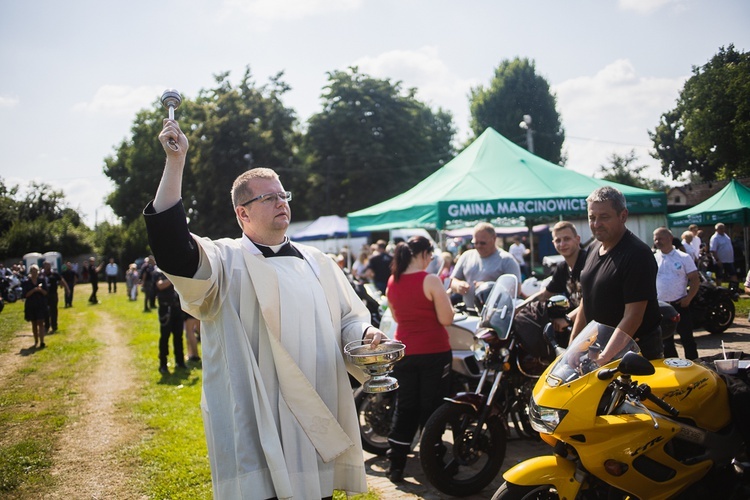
{"x":463,"y":443}
{"x":713,"y":306}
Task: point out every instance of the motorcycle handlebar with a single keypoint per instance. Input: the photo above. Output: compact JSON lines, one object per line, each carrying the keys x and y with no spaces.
{"x":644,"y":391}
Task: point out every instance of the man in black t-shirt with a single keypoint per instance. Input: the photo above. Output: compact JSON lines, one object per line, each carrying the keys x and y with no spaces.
{"x":171,"y":321}
{"x":618,"y":280}
{"x":565,"y":278}
{"x":55,"y":281}
{"x":379,"y":267}
{"x":71,"y":278}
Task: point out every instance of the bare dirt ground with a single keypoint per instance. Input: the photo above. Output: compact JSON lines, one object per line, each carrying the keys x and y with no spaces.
{"x":88,"y":460}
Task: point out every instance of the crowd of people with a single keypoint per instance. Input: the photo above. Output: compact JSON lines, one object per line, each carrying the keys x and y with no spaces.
{"x":40,"y":292}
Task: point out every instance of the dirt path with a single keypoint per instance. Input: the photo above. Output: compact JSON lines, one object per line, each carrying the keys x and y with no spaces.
{"x":88,"y":460}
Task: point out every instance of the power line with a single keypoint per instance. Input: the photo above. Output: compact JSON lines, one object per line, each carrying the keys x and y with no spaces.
{"x":607,"y":142}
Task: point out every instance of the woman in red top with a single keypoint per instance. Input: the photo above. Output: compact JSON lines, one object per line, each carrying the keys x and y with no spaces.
{"x":421,"y":308}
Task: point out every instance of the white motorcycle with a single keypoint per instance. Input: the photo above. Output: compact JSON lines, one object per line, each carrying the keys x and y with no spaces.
{"x":375,"y":411}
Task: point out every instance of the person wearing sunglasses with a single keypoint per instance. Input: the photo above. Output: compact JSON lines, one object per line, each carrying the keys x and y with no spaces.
{"x":485,"y":262}
{"x":277,"y":404}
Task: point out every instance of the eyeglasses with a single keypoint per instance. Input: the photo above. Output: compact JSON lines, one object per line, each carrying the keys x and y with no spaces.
{"x":270,"y":197}
{"x":479,"y":243}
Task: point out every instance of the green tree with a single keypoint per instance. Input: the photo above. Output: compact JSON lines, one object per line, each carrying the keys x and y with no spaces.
{"x":242,"y":127}
{"x":516,"y":90}
{"x":230,"y":129}
{"x":371,"y":141}
{"x":39,"y":221}
{"x":708,"y":132}
{"x":621,"y":169}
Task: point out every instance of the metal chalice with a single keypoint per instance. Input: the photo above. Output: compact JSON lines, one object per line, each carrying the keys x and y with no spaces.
{"x":377,"y":362}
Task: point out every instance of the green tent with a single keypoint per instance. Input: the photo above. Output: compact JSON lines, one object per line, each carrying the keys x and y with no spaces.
{"x":494,"y":178}
{"x":731,"y":205}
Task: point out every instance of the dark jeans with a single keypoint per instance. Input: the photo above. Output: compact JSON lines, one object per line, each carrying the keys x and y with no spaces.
{"x":685,"y":329}
{"x":51,"y":320}
{"x":423,"y":381}
{"x":149,"y":297}
{"x":171,"y":322}
{"x":69,"y":296}
{"x":94,"y":289}
{"x":651,"y":345}
{"x":112,"y":284}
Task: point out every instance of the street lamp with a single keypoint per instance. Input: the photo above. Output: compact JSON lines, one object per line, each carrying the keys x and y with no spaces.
{"x":526,"y":125}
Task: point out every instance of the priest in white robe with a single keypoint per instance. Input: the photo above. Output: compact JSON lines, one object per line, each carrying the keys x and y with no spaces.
{"x":277,"y":405}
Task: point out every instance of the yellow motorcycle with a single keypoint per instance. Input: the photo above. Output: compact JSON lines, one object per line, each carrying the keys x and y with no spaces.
{"x":623,"y":427}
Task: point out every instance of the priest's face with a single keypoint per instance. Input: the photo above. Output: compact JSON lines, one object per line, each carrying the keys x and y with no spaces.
{"x":265,"y":220}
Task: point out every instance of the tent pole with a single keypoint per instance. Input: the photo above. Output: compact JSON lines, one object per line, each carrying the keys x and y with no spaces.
{"x":747,"y":257}
{"x":531,"y":249}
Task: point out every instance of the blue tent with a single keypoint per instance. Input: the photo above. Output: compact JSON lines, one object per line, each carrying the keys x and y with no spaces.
{"x":326,"y":227}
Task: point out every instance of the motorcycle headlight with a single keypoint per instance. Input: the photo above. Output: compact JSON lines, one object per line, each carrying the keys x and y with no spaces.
{"x":480,"y":349}
{"x":544,"y":419}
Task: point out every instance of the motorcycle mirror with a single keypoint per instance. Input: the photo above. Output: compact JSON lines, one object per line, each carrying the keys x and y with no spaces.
{"x":633,"y":364}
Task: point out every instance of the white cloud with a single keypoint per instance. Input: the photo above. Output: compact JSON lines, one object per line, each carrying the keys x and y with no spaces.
{"x":8,"y":102}
{"x":119,"y":100}
{"x":425,"y":70}
{"x":612,"y":111}
{"x":288,"y":9}
{"x":647,"y":6}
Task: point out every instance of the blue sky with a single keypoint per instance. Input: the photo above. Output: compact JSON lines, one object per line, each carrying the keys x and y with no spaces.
{"x":75,"y":73}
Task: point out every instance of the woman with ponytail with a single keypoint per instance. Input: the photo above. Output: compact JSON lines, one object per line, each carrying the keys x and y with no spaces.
{"x":421,"y":308}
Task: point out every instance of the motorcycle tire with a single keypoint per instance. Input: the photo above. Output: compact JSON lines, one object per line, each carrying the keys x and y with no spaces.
{"x":375,"y":414}
{"x":448,"y":461}
{"x":720,"y":316}
{"x":510,"y":491}
{"x":11,"y":297}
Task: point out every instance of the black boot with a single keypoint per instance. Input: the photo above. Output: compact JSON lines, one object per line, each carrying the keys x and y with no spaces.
{"x":397,"y":457}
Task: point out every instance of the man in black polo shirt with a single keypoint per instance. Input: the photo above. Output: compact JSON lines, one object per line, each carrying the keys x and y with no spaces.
{"x":618,"y":280}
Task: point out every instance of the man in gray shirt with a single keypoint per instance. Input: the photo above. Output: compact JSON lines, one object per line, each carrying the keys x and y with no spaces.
{"x":485,"y":262}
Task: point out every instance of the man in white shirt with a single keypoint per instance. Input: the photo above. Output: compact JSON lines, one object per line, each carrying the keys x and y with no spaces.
{"x":110,"y":271}
{"x":677,"y":282}
{"x":518,"y":251}
{"x":697,"y":242}
{"x":687,"y":243}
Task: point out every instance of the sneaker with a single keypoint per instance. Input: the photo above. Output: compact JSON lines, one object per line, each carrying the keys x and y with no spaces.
{"x":42,"y":345}
{"x":164,"y":370}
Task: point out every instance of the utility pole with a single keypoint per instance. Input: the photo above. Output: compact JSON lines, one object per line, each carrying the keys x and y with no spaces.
{"x":526,"y":125}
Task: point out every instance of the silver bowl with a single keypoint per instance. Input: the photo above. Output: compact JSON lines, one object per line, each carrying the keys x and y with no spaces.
{"x":377,"y":362}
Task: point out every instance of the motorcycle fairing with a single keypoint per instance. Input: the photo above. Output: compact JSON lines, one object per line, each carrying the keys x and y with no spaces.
{"x":548,"y":469}
{"x":691,"y":389}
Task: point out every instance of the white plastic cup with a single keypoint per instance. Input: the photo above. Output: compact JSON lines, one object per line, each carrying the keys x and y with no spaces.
{"x":727,"y":366}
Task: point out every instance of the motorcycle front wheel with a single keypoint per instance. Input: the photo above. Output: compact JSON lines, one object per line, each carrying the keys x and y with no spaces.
{"x":510,"y":491}
{"x":452,"y":460}
{"x":720,"y":316}
{"x":375,"y":413}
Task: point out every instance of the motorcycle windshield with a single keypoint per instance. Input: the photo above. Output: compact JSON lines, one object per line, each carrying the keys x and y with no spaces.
{"x":596,"y":346}
{"x":499,"y":309}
